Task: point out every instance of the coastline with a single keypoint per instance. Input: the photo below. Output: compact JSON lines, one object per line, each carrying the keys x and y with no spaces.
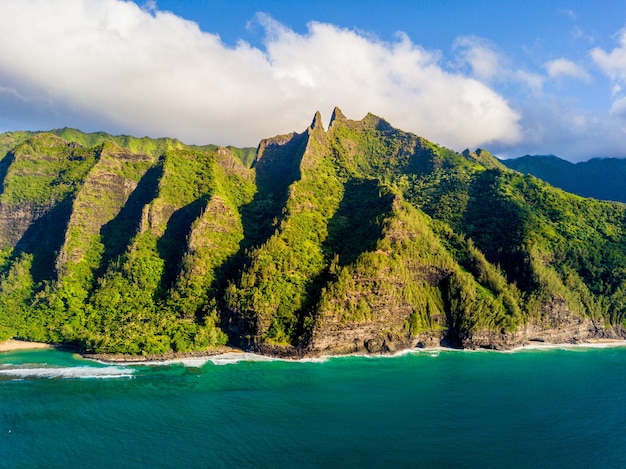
{"x":12,"y":345}
{"x":228,"y":355}
{"x":171,"y":357}
{"x":589,"y":343}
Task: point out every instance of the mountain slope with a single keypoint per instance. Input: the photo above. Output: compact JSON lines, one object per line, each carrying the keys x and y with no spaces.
{"x":361,"y":237}
{"x":600,"y":178}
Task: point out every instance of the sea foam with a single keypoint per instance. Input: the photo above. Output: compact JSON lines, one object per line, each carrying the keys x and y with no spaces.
{"x":228,"y":358}
{"x":231,"y":358}
{"x":80,"y":372}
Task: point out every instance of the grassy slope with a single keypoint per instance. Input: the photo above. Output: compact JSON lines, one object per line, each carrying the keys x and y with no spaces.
{"x":357,"y":237}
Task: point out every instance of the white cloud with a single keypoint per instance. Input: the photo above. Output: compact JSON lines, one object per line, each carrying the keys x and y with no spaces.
{"x":534,"y":81}
{"x":487,"y":64}
{"x":117,"y":65}
{"x":150,"y":6}
{"x":482,"y":57}
{"x":562,"y":67}
{"x":558,"y":126}
{"x":569,"y":13}
{"x":619,"y":109}
{"x":612,"y":63}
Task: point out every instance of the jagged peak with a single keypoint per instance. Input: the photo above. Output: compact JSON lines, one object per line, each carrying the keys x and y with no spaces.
{"x":482,"y":157}
{"x":467,"y":153}
{"x":372,"y":120}
{"x":337,"y":116}
{"x":317,"y":122}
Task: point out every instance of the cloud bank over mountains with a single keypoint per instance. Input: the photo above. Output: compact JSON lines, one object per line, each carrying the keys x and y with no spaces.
{"x":155,"y":73}
{"x":113,"y":65}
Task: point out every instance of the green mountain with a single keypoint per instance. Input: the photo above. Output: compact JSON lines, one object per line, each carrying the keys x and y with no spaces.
{"x":361,"y":237}
{"x":600,"y":178}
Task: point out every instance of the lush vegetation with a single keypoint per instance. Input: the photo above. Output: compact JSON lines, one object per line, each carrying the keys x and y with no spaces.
{"x":358,"y":233}
{"x":600,"y":178}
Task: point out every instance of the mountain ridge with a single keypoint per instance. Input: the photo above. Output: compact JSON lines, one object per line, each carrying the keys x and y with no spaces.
{"x":356,"y":238}
{"x":600,"y":178}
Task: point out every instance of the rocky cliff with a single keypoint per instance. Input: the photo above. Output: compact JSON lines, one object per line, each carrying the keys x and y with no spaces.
{"x":356,"y":238}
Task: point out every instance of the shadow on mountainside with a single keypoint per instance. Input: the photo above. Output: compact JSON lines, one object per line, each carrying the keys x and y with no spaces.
{"x":44,"y":239}
{"x":276,"y":169}
{"x":356,"y":225}
{"x":172,"y":246}
{"x":498,"y":226}
{"x":117,"y":234}
{"x":5,"y":163}
{"x":355,"y":228}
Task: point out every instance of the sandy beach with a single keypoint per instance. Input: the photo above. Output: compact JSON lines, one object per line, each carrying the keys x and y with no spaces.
{"x":11,"y":345}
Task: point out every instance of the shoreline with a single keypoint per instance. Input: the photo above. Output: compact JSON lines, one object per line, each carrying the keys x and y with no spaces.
{"x":229,"y":355}
{"x":226,"y":355}
{"x":590,"y":343}
{"x":13,"y":345}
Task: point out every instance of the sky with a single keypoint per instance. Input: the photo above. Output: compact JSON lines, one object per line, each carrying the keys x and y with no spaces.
{"x":514,"y":78}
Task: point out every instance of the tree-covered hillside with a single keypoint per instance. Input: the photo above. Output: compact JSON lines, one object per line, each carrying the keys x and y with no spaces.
{"x":600,"y":178}
{"x":357,"y":238}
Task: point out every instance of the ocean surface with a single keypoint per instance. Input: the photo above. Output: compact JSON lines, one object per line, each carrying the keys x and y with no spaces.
{"x":532,"y":408}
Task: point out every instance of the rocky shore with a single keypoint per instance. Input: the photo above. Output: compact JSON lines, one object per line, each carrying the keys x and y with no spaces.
{"x":558,"y":328}
{"x":583,"y":333}
{"x":125,"y":358}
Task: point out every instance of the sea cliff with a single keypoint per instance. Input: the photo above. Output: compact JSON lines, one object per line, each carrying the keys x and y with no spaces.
{"x":356,"y":238}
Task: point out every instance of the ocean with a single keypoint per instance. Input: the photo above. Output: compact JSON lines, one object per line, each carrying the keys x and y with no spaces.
{"x":531,"y":408}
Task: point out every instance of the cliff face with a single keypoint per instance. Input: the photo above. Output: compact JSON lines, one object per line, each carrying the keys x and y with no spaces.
{"x":359,"y":238}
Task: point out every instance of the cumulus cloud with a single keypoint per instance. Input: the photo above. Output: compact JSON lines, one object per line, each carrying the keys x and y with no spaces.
{"x":558,"y":126}
{"x":552,"y":123}
{"x":530,"y":80}
{"x":487,"y":64}
{"x":116,"y":65}
{"x":612,"y":63}
{"x":566,"y":68}
{"x":485,"y":61}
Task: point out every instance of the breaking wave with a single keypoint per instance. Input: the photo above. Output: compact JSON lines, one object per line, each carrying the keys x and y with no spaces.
{"x":230,"y":358}
{"x":79,"y":372}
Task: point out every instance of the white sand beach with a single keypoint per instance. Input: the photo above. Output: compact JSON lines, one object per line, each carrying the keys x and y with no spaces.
{"x":12,"y":344}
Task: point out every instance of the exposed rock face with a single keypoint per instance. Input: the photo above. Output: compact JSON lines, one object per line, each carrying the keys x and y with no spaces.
{"x":559,"y":326}
{"x":106,"y":183}
{"x":359,"y":238}
{"x":363,"y":339}
{"x":15,"y":220}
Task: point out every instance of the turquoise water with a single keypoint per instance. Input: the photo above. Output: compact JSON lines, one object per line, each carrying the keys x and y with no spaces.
{"x":555,"y":408}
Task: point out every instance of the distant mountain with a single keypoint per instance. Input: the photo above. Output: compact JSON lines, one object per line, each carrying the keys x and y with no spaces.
{"x":358,"y":238}
{"x":600,"y":178}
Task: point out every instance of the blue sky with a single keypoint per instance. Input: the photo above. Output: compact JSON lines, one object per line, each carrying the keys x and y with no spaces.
{"x":512,"y":77}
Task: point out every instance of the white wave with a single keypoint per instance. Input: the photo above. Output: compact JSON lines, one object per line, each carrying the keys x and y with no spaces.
{"x":227,"y":358}
{"x":231,"y":358}
{"x":322,"y":359}
{"x":192,"y":362}
{"x":581,"y":346}
{"x":79,"y":372}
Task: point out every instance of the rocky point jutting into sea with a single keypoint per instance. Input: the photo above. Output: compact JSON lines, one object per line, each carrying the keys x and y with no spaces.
{"x":359,"y":238}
